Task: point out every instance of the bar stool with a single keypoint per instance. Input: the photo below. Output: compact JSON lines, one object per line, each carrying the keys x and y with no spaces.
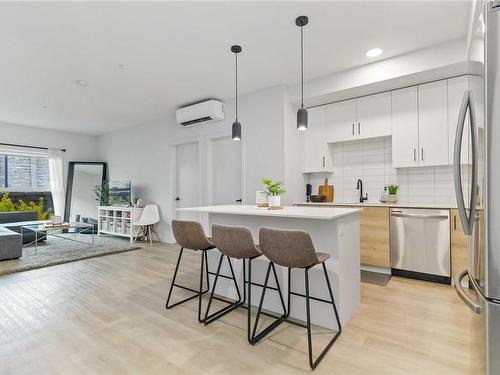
{"x":190,"y":235}
{"x":233,"y":242}
{"x":294,"y":249}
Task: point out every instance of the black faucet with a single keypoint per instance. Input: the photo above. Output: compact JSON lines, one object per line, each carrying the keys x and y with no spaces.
{"x":360,"y":188}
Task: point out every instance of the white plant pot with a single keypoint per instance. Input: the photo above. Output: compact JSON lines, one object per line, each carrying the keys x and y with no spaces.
{"x":274,"y":200}
{"x":392,"y":198}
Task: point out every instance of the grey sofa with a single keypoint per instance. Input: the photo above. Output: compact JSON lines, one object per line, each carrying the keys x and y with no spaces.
{"x":11,"y":246}
{"x":18,"y":216}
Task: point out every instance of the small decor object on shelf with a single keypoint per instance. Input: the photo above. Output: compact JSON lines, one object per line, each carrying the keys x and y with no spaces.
{"x":273,"y":191}
{"x":261,"y":198}
{"x":138,"y":203}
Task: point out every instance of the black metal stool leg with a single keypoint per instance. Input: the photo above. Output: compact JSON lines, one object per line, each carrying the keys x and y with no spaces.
{"x":249,"y":312}
{"x":200,"y":294}
{"x":308,"y":317}
{"x":314,"y":363}
{"x":232,"y":305}
{"x":167,"y":305}
{"x":278,"y":320}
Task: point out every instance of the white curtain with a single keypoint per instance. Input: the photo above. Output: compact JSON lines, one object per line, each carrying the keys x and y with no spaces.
{"x":56,"y":174}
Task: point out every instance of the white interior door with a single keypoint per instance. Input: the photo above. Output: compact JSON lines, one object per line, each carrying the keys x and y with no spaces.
{"x":226,"y":171}
{"x":187,"y":180}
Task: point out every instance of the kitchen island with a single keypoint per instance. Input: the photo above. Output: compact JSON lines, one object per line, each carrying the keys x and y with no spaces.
{"x":333,"y":230}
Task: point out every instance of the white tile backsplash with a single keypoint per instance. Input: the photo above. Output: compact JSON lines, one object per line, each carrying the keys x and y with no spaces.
{"x":371,"y":160}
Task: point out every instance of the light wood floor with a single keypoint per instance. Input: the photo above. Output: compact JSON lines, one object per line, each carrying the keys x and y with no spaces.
{"x":106,"y":316}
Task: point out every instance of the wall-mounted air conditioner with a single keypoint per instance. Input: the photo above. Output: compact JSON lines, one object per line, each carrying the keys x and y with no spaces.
{"x":204,"y":112}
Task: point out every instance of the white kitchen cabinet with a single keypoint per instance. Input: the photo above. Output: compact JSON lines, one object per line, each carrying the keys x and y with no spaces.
{"x":341,"y":121}
{"x":373,"y":115}
{"x":315,"y":153}
{"x":361,"y":118}
{"x":405,"y":127}
{"x":433,"y":123}
{"x":456,"y":88}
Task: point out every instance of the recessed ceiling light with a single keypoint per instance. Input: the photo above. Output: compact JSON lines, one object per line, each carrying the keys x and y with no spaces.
{"x":81,"y":83}
{"x":374,"y":52}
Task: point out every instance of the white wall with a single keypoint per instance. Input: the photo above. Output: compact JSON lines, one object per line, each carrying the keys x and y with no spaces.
{"x":144,"y":154}
{"x":79,"y":147}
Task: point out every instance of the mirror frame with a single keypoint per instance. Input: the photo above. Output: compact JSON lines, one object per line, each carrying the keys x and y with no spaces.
{"x":69,"y":184}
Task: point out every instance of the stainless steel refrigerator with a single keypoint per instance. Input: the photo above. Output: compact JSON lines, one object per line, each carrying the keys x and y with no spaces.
{"x":477,"y":183}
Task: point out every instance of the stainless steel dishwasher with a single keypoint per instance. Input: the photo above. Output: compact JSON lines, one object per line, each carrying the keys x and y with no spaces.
{"x":420,"y":244}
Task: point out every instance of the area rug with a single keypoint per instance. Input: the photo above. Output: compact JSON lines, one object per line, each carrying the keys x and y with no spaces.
{"x":58,"y":251}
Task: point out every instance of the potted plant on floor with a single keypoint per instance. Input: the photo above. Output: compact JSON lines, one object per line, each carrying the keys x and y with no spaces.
{"x":393,"y":193}
{"x":273,"y":191}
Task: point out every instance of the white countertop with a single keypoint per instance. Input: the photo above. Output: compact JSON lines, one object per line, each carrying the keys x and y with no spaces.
{"x":379,"y":204}
{"x":287,"y":211}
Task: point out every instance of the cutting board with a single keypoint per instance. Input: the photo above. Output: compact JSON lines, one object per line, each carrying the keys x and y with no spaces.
{"x":327,"y":191}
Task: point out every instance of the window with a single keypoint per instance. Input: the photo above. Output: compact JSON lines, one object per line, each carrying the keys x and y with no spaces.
{"x":24,"y":173}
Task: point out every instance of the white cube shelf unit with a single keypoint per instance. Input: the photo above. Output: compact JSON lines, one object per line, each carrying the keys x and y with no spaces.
{"x":118,"y":221}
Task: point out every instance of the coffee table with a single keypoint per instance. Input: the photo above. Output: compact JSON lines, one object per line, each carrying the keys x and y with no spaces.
{"x":42,"y":231}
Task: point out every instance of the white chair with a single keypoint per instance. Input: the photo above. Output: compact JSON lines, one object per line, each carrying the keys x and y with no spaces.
{"x":149,"y":217}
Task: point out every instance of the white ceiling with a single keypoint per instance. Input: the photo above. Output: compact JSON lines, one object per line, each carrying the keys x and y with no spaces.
{"x":176,"y":53}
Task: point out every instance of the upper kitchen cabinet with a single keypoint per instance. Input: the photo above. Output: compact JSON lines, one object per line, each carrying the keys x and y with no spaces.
{"x":433,"y":123}
{"x":361,"y":118}
{"x":373,"y":115}
{"x":341,"y":121}
{"x":456,"y":89}
{"x":405,"y":128}
{"x":315,"y":155}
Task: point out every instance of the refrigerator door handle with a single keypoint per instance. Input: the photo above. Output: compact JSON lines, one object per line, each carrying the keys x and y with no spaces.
{"x":467,"y":220}
{"x":474,"y":306}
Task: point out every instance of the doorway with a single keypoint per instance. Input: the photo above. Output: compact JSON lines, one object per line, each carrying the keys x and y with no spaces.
{"x":226,"y":167}
{"x":187,"y":180}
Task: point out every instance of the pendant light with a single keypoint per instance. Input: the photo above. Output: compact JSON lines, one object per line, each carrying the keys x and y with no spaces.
{"x":236,"y":130}
{"x":302,"y":112}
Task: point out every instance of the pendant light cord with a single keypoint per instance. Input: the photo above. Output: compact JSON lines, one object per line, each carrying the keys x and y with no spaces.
{"x":302,"y":63}
{"x":236,"y":56}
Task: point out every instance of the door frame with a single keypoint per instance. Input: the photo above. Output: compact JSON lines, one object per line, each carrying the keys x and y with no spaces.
{"x":210,"y":167}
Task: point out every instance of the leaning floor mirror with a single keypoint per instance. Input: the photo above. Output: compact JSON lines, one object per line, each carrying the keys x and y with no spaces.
{"x":81,"y":205}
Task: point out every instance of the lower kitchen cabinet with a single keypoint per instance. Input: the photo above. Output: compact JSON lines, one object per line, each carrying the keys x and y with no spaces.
{"x":374,"y":229}
{"x":458,"y":244}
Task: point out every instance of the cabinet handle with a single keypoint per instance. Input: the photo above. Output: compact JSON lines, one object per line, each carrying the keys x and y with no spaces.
{"x":454,"y":222}
{"x":359,"y":128}
{"x":323,"y":161}
{"x":414,"y":154}
{"x":353,"y":129}
{"x":422,"y":154}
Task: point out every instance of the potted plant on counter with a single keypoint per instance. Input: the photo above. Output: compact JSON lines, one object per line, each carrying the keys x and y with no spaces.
{"x":273,"y":191}
{"x":393,"y":193}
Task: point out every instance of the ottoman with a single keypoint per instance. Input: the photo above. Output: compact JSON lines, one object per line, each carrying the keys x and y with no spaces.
{"x":11,"y":246}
